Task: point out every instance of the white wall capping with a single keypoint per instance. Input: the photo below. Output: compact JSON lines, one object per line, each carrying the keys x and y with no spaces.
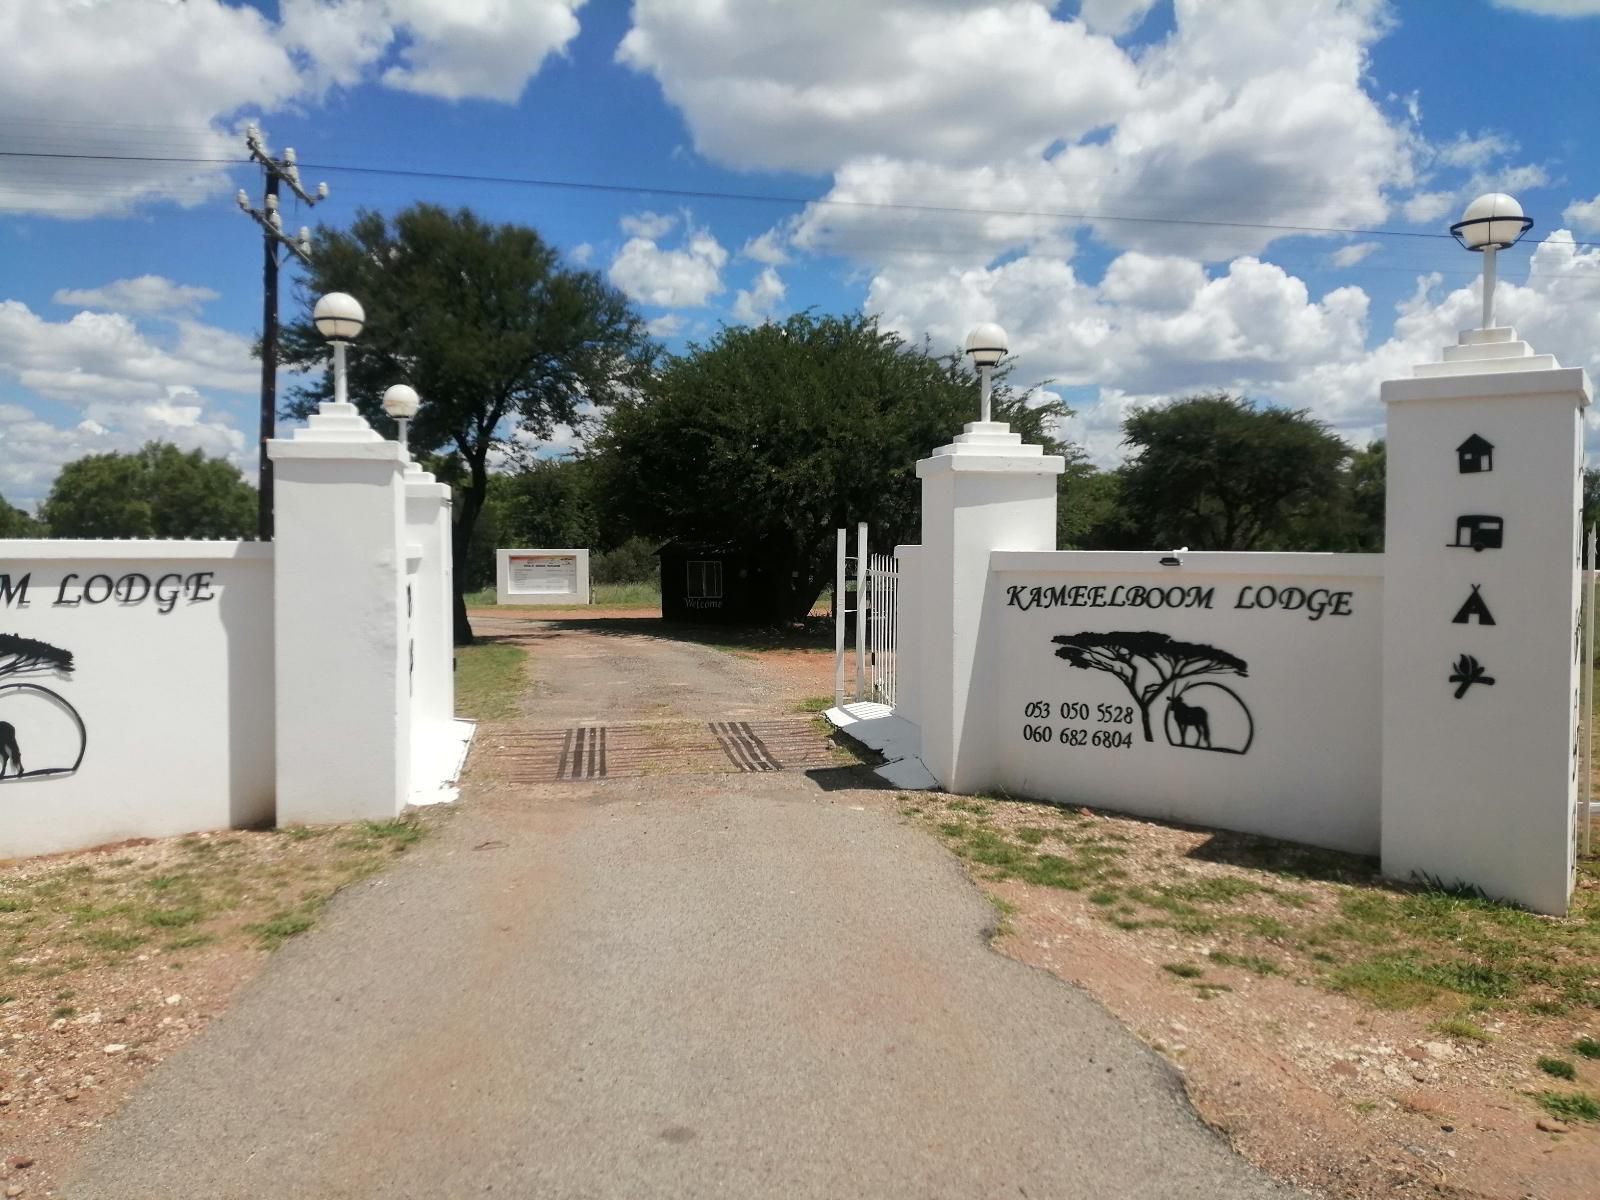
{"x":1193,"y":563}
{"x":58,"y":549}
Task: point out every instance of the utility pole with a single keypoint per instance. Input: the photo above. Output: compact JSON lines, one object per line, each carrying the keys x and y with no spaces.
{"x":274,"y":243}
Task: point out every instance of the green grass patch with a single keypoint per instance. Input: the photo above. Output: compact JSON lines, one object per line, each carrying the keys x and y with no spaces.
{"x":1250,"y":962}
{"x":282,"y":926}
{"x":1183,"y":970}
{"x":1587,"y":1047}
{"x":1405,"y":980}
{"x":1462,"y":1029}
{"x":1558,"y":1067}
{"x":814,"y":704}
{"x":490,"y":677}
{"x":1570,"y":1106}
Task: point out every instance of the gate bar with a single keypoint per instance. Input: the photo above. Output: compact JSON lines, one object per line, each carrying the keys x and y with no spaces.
{"x":838,"y":619}
{"x":861,"y":596}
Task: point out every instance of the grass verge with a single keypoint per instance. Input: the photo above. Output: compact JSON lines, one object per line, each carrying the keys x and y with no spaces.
{"x":490,"y":676}
{"x":70,"y":926}
{"x":643,"y":594}
{"x":1315,"y":916}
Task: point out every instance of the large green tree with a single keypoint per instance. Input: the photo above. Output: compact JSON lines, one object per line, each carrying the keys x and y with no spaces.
{"x":502,"y":341}
{"x":155,"y":492}
{"x":770,"y":438}
{"x":1214,"y":472}
{"x":14,"y":523}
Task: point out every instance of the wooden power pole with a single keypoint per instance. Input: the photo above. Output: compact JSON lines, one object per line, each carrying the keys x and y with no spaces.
{"x":274,"y":243}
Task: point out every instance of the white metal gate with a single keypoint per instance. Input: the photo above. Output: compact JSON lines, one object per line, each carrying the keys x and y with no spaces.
{"x":877,"y":580}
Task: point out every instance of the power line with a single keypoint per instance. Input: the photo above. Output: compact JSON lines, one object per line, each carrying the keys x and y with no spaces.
{"x":678,"y":193}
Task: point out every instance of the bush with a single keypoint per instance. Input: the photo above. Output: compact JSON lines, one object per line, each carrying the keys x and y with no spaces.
{"x":632,"y":562}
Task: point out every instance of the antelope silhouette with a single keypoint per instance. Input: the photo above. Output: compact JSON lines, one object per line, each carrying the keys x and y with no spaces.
{"x":9,"y":751}
{"x":1190,"y":716}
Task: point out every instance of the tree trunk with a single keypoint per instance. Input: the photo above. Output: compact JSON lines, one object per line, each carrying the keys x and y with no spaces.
{"x":471,"y":505}
{"x":1144,"y":715}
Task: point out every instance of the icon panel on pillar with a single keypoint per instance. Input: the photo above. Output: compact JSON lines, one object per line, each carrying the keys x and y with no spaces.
{"x":1477,"y":531}
{"x":1468,"y":671}
{"x":1473,"y":609}
{"x":1475,"y":455}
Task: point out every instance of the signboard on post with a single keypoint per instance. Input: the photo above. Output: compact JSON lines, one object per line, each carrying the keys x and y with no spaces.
{"x":542,"y":577}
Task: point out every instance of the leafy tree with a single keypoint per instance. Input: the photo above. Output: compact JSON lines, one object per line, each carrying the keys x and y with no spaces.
{"x":1089,"y":508}
{"x":503,"y":342}
{"x":1591,"y":499}
{"x":156,"y":492}
{"x":1213,"y":472}
{"x":1366,"y":489}
{"x":1147,"y":664}
{"x":14,"y":523}
{"x":770,"y":438}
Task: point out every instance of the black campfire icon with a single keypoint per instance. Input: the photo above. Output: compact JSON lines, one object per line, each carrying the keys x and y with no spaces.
{"x":1199,"y":714}
{"x":41,"y":733}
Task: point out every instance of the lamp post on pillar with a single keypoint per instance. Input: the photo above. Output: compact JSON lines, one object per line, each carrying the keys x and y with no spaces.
{"x":1492,"y":222}
{"x":340,"y":319}
{"x":987,"y":346}
{"x":401,"y":402}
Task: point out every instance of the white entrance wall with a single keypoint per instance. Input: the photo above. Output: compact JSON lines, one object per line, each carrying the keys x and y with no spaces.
{"x":542,"y":577}
{"x":153,"y":688}
{"x":171,"y":678}
{"x":1421,"y":704}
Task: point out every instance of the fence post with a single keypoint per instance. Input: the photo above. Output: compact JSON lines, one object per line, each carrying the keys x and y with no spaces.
{"x":861,"y":610}
{"x":838,"y":618}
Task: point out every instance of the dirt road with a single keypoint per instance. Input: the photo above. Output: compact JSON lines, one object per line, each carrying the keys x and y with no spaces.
{"x":745,"y":982}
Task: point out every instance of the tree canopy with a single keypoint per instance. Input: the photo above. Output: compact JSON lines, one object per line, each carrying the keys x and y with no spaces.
{"x":158,"y":491}
{"x":1214,"y":472}
{"x":502,"y":341}
{"x":770,"y":438}
{"x":14,"y":523}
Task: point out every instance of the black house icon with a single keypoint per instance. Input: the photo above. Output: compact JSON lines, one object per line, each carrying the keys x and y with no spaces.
{"x":1474,"y":455}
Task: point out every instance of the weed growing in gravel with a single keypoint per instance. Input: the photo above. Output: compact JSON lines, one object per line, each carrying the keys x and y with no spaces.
{"x":1183,"y":970}
{"x":1559,"y":1067}
{"x":1463,"y":1029}
{"x":1587,"y":1047}
{"x":1570,"y":1106}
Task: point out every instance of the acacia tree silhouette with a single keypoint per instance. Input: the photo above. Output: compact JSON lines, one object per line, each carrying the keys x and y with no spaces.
{"x":19,"y":654}
{"x":1125,"y":655}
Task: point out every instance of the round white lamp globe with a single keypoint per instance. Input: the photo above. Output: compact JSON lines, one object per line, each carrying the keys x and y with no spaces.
{"x":401,"y":402}
{"x":1492,"y":220}
{"x":987,"y":344}
{"x":339,"y":317}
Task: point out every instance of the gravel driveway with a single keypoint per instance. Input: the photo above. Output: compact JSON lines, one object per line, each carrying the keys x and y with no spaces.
{"x":673,"y":986}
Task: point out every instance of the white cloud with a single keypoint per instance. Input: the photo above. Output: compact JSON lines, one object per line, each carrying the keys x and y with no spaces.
{"x":775,"y":84}
{"x":652,"y":226}
{"x":667,"y":325}
{"x":1349,"y":256}
{"x":1114,"y":17}
{"x":768,"y":248}
{"x":1426,"y":207}
{"x":449,"y":49}
{"x":126,"y":387}
{"x":759,"y":302}
{"x":682,"y":278}
{"x":1554,"y":8}
{"x":144,"y":294}
{"x":581,"y":253}
{"x":164,"y":79}
{"x":1584,"y":214}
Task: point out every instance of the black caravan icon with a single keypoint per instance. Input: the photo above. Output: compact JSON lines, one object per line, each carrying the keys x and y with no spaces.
{"x":1479,"y":532}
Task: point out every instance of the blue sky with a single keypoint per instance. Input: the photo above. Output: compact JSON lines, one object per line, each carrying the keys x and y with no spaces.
{"x":1121,"y":183}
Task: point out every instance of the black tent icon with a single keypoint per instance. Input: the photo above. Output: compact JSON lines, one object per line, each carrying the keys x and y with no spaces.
{"x":1474,"y":455}
{"x":1474,"y":609}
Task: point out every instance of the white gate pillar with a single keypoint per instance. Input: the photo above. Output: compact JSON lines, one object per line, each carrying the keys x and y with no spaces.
{"x":985,"y":491}
{"x":1480,"y":656}
{"x":436,"y":738}
{"x":342,"y":650}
